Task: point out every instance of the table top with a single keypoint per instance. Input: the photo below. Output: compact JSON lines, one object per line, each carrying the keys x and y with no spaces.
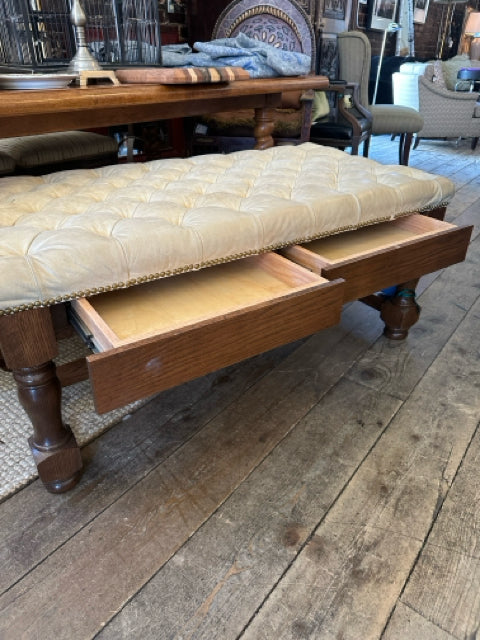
{"x":24,"y":112}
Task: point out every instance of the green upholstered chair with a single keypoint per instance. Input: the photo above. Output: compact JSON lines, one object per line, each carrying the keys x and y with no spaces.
{"x":354,"y":57}
{"x":49,"y":152}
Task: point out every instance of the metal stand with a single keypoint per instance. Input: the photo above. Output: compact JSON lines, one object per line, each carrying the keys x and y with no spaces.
{"x":83,"y":59}
{"x":392,"y":27}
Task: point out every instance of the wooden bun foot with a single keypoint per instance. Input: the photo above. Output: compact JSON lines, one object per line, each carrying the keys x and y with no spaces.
{"x":400,"y":312}
{"x":59,"y":469}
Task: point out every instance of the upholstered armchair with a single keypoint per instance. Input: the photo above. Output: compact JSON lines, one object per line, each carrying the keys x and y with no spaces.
{"x":447,"y":113}
{"x":283,"y":24}
{"x":354,"y":56}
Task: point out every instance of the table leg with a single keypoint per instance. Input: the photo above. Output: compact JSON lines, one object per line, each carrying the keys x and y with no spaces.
{"x":263,"y":129}
{"x":28,"y":344}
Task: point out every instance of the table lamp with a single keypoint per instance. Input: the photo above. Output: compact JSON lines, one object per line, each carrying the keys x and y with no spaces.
{"x":472,"y":28}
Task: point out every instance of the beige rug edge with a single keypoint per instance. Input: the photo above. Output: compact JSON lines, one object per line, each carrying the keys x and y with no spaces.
{"x":17,"y":468}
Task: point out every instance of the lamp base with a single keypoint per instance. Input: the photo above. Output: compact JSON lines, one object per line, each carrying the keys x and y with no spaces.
{"x":475,"y":49}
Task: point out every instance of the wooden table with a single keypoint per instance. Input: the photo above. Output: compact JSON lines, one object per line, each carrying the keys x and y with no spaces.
{"x":44,"y":111}
{"x":28,"y":342}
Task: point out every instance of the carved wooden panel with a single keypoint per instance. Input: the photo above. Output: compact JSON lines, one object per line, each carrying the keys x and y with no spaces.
{"x":202,"y":16}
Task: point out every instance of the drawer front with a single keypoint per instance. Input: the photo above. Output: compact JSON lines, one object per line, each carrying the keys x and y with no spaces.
{"x":367,"y":269}
{"x":393,"y":266}
{"x":130,"y":372}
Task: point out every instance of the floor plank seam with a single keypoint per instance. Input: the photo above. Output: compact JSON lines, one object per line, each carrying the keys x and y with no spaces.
{"x":438,"y":508}
{"x":128,"y":489}
{"x":421,"y":615}
{"x":315,"y":528}
{"x":219,"y":507}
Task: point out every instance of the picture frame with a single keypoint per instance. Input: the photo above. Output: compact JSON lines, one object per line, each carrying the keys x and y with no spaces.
{"x":420,"y":9}
{"x":333,"y":16}
{"x":327,"y":58}
{"x":381,"y":13}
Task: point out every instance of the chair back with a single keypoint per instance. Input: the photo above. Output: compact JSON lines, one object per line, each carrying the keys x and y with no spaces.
{"x":281,"y":23}
{"x":354,"y":59}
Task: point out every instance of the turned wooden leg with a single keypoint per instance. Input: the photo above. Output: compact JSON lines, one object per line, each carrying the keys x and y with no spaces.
{"x":404,"y":148}
{"x":263,"y":129}
{"x":27,"y":342}
{"x":400,"y":311}
{"x":53,"y":445}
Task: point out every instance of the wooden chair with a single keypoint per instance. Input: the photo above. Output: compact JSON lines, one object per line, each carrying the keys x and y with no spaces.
{"x":354,"y":56}
{"x":283,"y":24}
{"x":348,"y":123}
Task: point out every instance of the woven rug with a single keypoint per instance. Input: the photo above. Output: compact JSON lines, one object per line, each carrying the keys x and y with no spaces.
{"x":17,"y":468}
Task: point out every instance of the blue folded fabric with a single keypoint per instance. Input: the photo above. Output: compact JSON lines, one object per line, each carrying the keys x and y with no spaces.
{"x":261,"y":60}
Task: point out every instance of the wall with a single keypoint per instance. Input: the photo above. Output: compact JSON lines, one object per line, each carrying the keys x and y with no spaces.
{"x":173,"y":18}
{"x":193,"y":20}
{"x":426,"y":35}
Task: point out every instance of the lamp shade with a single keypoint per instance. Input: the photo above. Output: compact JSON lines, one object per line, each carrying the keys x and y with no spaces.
{"x":472,"y":27}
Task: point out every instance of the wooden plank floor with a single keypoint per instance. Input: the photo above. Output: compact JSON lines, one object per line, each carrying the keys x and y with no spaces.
{"x":325,"y":490}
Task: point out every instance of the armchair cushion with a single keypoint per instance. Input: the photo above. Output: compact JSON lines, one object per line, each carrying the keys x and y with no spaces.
{"x":320,"y":108}
{"x":31,"y":152}
{"x":392,"y":117}
{"x":451,"y":68}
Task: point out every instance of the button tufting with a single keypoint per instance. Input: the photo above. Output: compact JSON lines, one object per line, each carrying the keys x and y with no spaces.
{"x":75,"y":233}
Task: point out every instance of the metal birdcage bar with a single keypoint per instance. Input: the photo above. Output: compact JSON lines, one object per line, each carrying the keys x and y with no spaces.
{"x":39,"y":35}
{"x":36,"y":34}
{"x":124,"y":32}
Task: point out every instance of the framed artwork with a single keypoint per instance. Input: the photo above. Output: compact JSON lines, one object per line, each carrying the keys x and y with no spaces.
{"x":381,"y":13}
{"x":327,"y":61}
{"x":420,"y":8}
{"x":333,"y":15}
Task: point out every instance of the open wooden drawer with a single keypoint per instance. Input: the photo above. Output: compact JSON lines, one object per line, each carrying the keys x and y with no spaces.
{"x":384,"y":254}
{"x":157,"y":335}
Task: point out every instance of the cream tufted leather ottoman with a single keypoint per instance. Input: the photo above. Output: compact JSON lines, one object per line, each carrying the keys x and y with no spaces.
{"x":288,"y":235}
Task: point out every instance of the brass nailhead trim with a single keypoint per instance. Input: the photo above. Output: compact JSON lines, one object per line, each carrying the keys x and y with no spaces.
{"x":209,"y":263}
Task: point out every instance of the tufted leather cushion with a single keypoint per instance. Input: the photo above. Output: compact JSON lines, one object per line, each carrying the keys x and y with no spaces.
{"x":29,"y":152}
{"x":74,"y":233}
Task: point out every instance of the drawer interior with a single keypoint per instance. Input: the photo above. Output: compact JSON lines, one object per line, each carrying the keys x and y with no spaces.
{"x":354,"y":244}
{"x":386,"y":254}
{"x":118,"y":317}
